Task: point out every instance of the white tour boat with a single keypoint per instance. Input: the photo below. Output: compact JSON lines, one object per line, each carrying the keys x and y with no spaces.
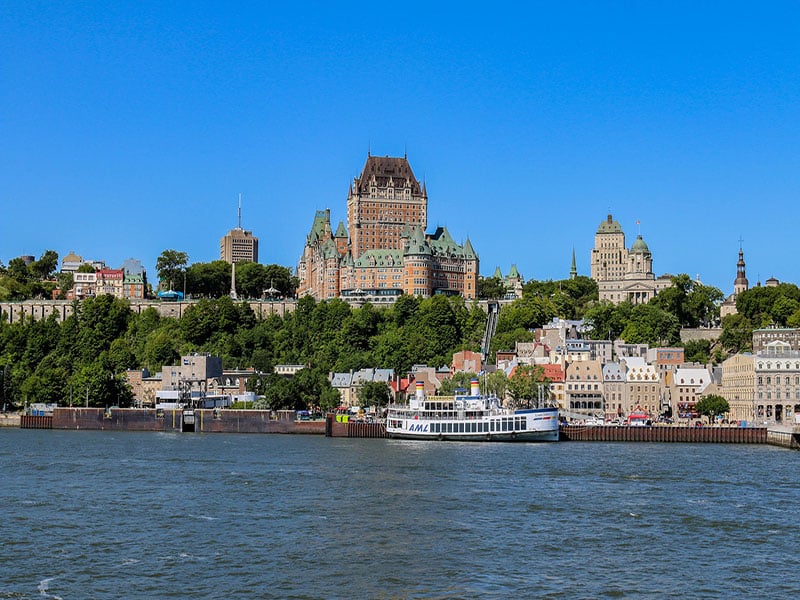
{"x":472,"y":417}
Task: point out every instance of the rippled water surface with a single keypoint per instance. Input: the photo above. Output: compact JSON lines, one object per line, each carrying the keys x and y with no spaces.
{"x":148,"y":515}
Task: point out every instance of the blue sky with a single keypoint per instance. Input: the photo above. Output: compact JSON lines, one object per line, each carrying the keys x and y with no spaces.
{"x":130,"y":127}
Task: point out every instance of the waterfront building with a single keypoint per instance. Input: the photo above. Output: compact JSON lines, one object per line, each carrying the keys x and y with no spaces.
{"x":777,"y":383}
{"x":556,"y":375}
{"x":687,"y":386}
{"x":192,"y":374}
{"x":584,"y":388}
{"x":623,"y":274}
{"x":349,"y":384}
{"x":740,"y":284}
{"x":738,"y":386}
{"x":232,"y":382}
{"x":614,"y":390}
{"x":342,"y":383}
{"x":144,"y":387}
{"x":644,"y":387}
{"x":384,"y":251}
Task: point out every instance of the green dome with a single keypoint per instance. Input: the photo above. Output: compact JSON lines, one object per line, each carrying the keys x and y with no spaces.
{"x":639,"y":246}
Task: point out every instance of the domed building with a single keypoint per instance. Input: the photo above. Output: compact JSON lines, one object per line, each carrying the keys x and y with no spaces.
{"x":622,"y":274}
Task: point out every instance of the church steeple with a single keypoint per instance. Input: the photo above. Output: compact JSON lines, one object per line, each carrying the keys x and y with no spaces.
{"x":740,"y":284}
{"x":573,"y":272}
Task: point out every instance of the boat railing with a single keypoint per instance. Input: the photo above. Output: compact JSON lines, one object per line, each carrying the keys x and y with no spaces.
{"x":446,"y":416}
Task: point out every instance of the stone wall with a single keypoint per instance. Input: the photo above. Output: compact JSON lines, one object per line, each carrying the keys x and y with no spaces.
{"x":16,"y":312}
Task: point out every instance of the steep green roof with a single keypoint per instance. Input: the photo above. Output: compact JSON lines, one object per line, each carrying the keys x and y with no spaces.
{"x":498,"y":274}
{"x":341,"y":231}
{"x":609,"y":226}
{"x":321,"y":220}
{"x":469,"y":251}
{"x":380,"y":258}
{"x":418,"y":244}
{"x":514,"y":273}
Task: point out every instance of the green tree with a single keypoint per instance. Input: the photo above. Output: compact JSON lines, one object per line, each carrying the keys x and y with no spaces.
{"x":170,"y":266}
{"x":374,"y":393}
{"x":737,"y":333}
{"x":649,"y":324}
{"x":526,"y":384}
{"x":497,"y":384}
{"x":607,"y":321}
{"x":697,"y":351}
{"x":66,"y":281}
{"x":209,"y":280}
{"x":491,"y":288}
{"x":46,"y":265}
{"x":458,"y":381}
{"x":712,"y":406}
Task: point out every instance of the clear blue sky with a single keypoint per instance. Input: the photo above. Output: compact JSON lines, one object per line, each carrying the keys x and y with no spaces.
{"x":130,"y":127}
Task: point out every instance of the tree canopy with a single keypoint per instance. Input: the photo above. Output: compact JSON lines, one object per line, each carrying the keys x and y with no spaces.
{"x":712,"y":406}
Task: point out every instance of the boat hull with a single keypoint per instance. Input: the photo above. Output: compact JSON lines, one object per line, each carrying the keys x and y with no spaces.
{"x":514,"y":436}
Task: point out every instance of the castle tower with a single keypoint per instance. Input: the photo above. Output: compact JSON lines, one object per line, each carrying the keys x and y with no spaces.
{"x":382,"y":203}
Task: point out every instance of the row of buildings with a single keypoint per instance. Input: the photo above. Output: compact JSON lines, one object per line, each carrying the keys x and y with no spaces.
{"x":588,"y":379}
{"x":611,"y":380}
{"x":129,"y":281}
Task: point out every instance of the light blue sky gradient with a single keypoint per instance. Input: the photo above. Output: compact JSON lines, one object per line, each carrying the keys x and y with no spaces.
{"x":131,"y":127}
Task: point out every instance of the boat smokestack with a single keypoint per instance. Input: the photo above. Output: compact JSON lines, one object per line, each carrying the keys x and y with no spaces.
{"x":474,"y":387}
{"x":420,"y":391}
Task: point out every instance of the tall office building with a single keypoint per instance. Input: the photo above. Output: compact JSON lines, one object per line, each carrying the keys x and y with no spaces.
{"x":622,"y":274}
{"x":238,"y":245}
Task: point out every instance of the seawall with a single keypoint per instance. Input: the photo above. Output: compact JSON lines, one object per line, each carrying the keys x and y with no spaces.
{"x":694,"y":435}
{"x":205,"y":421}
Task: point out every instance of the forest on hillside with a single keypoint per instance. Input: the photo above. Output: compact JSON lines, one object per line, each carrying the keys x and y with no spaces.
{"x":85,"y":356}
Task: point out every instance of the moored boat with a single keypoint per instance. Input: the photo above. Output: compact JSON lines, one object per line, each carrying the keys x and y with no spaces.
{"x":469,"y":417}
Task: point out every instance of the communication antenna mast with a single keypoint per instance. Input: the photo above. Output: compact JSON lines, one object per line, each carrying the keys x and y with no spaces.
{"x":240,"y":210}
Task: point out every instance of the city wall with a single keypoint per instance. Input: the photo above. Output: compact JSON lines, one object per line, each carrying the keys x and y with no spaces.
{"x":702,"y":333}
{"x":42,"y":309}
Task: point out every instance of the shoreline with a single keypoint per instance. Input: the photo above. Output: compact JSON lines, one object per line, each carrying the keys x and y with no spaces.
{"x":264,"y":421}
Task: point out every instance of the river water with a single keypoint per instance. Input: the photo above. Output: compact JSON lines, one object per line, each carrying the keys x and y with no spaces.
{"x":150,"y":515}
